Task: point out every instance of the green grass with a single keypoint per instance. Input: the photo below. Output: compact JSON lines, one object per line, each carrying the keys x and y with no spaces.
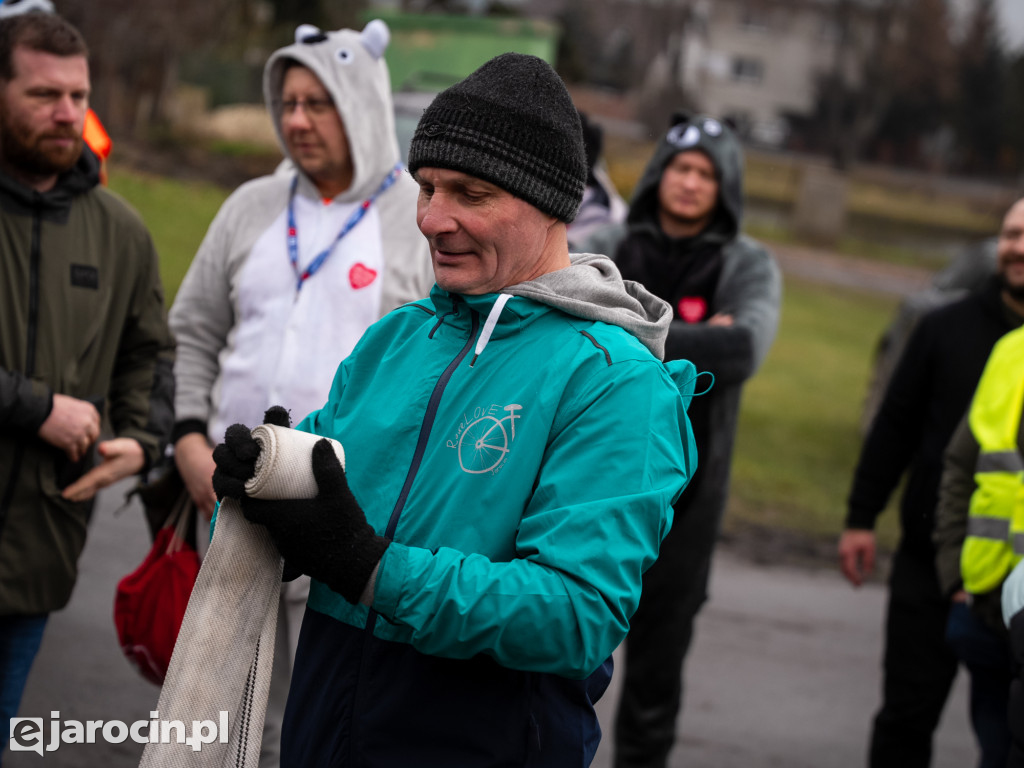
{"x":777,"y":180}
{"x":238,"y":148}
{"x":177,"y":214}
{"x":799,"y":432}
{"x":874,"y":250}
{"x":798,"y":435}
{"x":769,"y":180}
{"x":918,"y":209}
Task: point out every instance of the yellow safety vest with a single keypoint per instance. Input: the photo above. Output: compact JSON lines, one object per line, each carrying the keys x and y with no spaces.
{"x":995,"y":526}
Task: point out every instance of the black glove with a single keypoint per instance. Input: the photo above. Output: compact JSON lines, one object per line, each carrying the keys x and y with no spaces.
{"x":236,"y":463}
{"x":236,"y":456}
{"x":327,"y":536}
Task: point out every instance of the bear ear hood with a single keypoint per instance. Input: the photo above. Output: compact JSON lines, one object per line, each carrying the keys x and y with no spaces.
{"x":716,"y":139}
{"x":351,"y":66}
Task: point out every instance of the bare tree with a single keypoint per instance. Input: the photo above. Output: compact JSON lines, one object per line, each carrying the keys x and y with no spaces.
{"x":136,"y":47}
{"x":980,"y":118}
{"x":858,"y":90}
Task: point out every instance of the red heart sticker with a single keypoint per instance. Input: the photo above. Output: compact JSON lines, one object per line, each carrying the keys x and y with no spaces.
{"x":692,"y":308}
{"x":361,"y":276}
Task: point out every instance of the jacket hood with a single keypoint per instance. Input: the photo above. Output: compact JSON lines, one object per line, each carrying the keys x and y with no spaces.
{"x":55,"y":202}
{"x":351,"y":66}
{"x":716,"y":140}
{"x":592,"y":288}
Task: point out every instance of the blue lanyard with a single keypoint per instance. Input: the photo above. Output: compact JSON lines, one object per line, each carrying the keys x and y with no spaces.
{"x":355,"y":218}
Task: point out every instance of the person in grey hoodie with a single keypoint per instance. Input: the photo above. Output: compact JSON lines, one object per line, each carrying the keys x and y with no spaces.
{"x":295,"y":266}
{"x":683,"y":243}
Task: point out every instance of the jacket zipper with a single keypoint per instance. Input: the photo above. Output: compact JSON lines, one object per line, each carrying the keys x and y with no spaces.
{"x":30,"y":355}
{"x":33,"y":295}
{"x":428,"y":423}
{"x":421,"y":447}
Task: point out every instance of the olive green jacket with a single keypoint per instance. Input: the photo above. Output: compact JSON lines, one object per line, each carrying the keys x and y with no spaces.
{"x":81,"y":314}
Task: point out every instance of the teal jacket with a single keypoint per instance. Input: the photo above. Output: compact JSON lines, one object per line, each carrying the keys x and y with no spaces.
{"x":521,"y":483}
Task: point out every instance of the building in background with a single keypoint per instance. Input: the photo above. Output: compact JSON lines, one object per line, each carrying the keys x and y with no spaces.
{"x":761,"y":63}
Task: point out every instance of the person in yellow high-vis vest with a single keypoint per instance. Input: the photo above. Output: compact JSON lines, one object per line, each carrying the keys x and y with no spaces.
{"x":926,"y":397}
{"x":980,"y":536}
{"x":995,"y":526}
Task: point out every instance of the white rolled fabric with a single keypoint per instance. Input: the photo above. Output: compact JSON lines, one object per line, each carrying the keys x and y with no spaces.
{"x":222,"y":659}
{"x":283,"y":468}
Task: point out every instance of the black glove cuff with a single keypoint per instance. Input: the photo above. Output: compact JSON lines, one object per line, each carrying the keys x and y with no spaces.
{"x":357,"y":567}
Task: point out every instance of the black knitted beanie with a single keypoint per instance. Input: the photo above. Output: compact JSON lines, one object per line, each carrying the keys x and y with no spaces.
{"x":512,"y":123}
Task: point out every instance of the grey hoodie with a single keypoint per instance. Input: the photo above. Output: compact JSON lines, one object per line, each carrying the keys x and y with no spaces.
{"x":229,"y":317}
{"x":717,"y":141}
{"x":748,"y":287}
{"x":593,"y":289}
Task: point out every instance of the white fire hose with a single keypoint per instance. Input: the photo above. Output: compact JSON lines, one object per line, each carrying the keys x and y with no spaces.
{"x":223,"y":656}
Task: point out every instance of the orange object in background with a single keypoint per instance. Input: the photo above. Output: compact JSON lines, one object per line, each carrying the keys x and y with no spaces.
{"x":99,"y":142}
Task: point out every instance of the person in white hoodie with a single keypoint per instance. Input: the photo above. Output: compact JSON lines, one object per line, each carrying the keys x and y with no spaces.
{"x":295,"y":267}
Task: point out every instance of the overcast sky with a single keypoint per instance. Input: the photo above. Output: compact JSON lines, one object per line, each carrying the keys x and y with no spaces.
{"x":1012,"y":18}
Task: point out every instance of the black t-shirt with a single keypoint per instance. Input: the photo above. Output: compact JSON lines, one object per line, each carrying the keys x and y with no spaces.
{"x":684,"y":276}
{"x":684,"y":273}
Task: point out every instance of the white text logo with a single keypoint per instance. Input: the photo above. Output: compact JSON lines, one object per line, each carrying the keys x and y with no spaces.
{"x":27,"y":733}
{"x":484,"y":441}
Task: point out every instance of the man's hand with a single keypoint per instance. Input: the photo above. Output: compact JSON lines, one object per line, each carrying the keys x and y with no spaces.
{"x":720,"y":319}
{"x":73,"y":425}
{"x":326,"y":537}
{"x":236,"y":456}
{"x":194,"y":458}
{"x":121,"y":457}
{"x":857,"y":554}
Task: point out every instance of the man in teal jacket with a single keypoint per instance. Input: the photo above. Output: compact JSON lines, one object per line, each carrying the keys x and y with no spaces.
{"x":479,"y":558}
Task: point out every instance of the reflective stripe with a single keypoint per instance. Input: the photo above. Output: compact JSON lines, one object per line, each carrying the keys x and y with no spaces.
{"x":1000,"y":461}
{"x":997,"y":528}
{"x":1018,"y":544}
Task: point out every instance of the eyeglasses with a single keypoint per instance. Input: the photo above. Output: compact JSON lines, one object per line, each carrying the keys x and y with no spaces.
{"x":312,"y":107}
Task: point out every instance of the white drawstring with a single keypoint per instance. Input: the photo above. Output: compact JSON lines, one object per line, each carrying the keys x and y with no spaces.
{"x":492,"y":320}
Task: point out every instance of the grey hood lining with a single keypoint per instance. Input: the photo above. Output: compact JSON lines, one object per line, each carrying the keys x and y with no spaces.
{"x":592,"y":288}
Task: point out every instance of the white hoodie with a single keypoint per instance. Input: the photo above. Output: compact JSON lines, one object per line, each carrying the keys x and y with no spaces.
{"x":247,"y":337}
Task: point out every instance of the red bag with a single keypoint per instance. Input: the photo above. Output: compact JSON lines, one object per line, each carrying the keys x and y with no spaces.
{"x":150,"y":602}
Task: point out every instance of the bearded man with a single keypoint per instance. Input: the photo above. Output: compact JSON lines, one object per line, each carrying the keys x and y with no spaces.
{"x":84,"y":345}
{"x":928,"y":617}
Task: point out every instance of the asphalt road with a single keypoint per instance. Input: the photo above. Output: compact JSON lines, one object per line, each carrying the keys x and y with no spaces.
{"x":80,"y":671}
{"x":784,"y":669}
